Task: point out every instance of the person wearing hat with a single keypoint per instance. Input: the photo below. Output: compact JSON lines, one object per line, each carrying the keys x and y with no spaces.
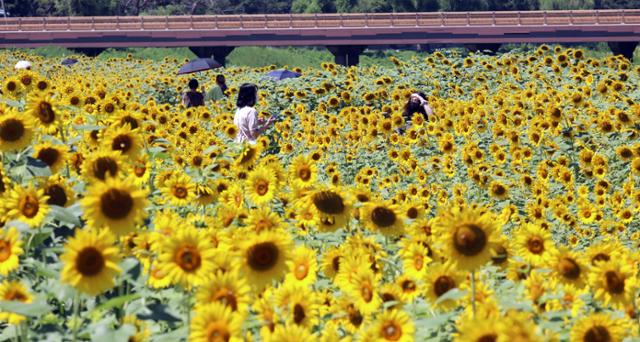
{"x":23,"y":65}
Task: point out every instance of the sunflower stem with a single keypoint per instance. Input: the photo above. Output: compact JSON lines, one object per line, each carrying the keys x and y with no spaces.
{"x":76,"y":315}
{"x":24,"y":332}
{"x":187,"y":306}
{"x":473,"y":293}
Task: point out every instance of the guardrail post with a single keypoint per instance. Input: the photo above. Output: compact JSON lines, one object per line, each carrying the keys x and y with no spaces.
{"x":441,"y":18}
{"x":493,"y":17}
{"x":366,"y":20}
{"x":19,"y":24}
{"x":44,"y":23}
{"x":570,"y":17}
{"x":166,"y":22}
{"x":519,"y":19}
{"x":68,"y":23}
{"x":290,"y":20}
{"x":266,"y":22}
{"x":215,"y":22}
{"x":191,"y":22}
{"x":117,"y":23}
{"x":624,"y":19}
{"x":315,"y":20}
{"x":141,"y":23}
{"x":392,"y":24}
{"x":417,"y":21}
{"x":93,"y":23}
{"x":545,"y":18}
{"x":597,"y":17}
{"x":468,"y":19}
{"x":241,"y":23}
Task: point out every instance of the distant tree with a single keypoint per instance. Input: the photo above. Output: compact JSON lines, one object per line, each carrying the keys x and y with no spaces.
{"x":427,"y":5}
{"x":345,"y":6}
{"x":403,"y":5}
{"x":463,"y":5}
{"x":616,"y":4}
{"x":565,"y":4}
{"x":512,"y":5}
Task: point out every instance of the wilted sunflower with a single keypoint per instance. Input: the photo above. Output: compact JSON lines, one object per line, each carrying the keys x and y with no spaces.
{"x":115,"y":204}
{"x":10,"y":250}
{"x":187,"y":257}
{"x":16,"y":131}
{"x":27,"y":205}
{"x":264,"y":256}
{"x":467,"y":236}
{"x":52,"y":155}
{"x":261,"y":185}
{"x":90,"y":261}
{"x":13,"y":291}
{"x":215,"y":322}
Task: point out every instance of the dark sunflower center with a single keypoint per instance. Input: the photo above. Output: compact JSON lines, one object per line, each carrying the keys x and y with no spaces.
{"x":366,"y":292}
{"x":501,"y":255}
{"x":328,"y":202}
{"x":56,"y":194}
{"x":362,"y":198}
{"x":335,"y":264}
{"x":15,"y":295}
{"x":443,"y":284}
{"x":122,"y":143}
{"x":103,"y":165}
{"x":600,"y":257}
{"x":298,"y":314}
{"x":89,"y":262}
{"x":469,"y":240}
{"x":11,"y":130}
{"x":304,"y":174}
{"x":218,"y":332}
{"x":29,"y":206}
{"x":408,"y":286}
{"x":46,"y":113}
{"x":49,"y":155}
{"x":499,"y":190}
{"x":391,"y":331}
{"x":355,"y":317}
{"x":263,"y":256}
{"x":488,"y":338}
{"x":5,"y":250}
{"x":535,"y":245}
{"x":569,"y":268}
{"x":12,"y":86}
{"x":180,"y":191}
{"x":301,"y":271}
{"x":262,"y":187}
{"x":412,"y":213}
{"x":227,"y":297}
{"x":383,"y":217}
{"x":188,"y":258}
{"x":116,"y":204}
{"x":597,"y":333}
{"x":388,"y":297}
{"x":139,"y":170}
{"x":614,"y":282}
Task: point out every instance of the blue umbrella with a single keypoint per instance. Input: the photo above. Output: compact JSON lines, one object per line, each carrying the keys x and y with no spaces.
{"x":282,"y":74}
{"x":200,"y":64}
{"x":69,"y":61}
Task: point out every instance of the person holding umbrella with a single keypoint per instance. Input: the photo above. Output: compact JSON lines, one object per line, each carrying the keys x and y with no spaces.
{"x":246,"y":117}
{"x":193,"y":98}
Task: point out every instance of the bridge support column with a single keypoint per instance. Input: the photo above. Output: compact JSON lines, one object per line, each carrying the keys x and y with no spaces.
{"x":623,"y":48}
{"x":493,"y":47}
{"x":346,"y":55}
{"x":89,"y":51}
{"x":219,"y":53}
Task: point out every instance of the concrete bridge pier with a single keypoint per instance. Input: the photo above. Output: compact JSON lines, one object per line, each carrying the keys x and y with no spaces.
{"x":479,"y":47}
{"x":219,"y":53}
{"x":88,"y":51}
{"x":346,"y":55}
{"x":623,"y":48}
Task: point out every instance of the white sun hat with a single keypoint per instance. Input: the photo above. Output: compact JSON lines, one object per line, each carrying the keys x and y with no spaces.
{"x":23,"y":65}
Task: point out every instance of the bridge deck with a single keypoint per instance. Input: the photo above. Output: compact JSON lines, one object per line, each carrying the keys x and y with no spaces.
{"x":323,"y":29}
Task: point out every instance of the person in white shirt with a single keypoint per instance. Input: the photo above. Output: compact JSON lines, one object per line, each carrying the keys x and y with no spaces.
{"x":246,"y":117}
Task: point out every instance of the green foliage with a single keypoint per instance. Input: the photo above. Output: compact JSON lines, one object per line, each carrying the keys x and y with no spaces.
{"x":616,"y":4}
{"x":566,"y":4}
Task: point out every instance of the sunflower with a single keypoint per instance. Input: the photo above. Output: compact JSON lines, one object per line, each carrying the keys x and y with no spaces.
{"x":303,"y":267}
{"x":123,"y":139}
{"x":179,"y":190}
{"x":16,"y":131}
{"x":45,"y":110}
{"x":415,"y":258}
{"x":158,"y":278}
{"x":299,"y":304}
{"x":362,"y":287}
{"x":392,"y":325}
{"x":141,"y":170}
{"x":58,"y":191}
{"x":484,"y":327}
{"x":614,"y":282}
{"x":600,"y":327}
{"x":52,"y":155}
{"x":467,"y":236}
{"x":90,"y":261}
{"x":228,"y":288}
{"x":215,"y":322}
{"x":533,"y":244}
{"x":292,"y":333}
{"x":383,"y":217}
{"x":303,"y":172}
{"x":27,"y":205}
{"x":142,"y":332}
{"x":264,"y":256}
{"x":331,"y":260}
{"x":115,"y":204}
{"x":261,"y":185}
{"x":570,"y":268}
{"x":10,"y":250}
{"x":103,"y":164}
{"x":12,"y":87}
{"x":440,"y":279}
{"x":13,"y":291}
{"x":248,"y":155}
{"x":332,"y":208}
{"x":498,"y":190}
{"x":187,"y":257}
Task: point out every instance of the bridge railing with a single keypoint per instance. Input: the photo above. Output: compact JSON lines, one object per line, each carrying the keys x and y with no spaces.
{"x":315,"y":21}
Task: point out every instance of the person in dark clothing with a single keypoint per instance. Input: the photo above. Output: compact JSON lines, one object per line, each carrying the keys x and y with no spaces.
{"x":193,"y":98}
{"x":417,"y":104}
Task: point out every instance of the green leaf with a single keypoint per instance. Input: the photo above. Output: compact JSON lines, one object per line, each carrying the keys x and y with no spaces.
{"x":106,"y":335}
{"x":176,"y":335}
{"x":65,"y":215}
{"x":116,"y":302}
{"x":87,"y":127}
{"x":34,"y":309}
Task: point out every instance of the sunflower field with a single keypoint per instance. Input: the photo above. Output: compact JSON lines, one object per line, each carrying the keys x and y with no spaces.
{"x":513,"y":215}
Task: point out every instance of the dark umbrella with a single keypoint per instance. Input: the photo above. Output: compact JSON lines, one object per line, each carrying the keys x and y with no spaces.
{"x":69,"y":61}
{"x":282,"y":74}
{"x":200,"y":64}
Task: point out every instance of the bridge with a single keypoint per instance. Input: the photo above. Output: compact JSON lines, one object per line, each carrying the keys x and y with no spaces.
{"x":345,"y":35}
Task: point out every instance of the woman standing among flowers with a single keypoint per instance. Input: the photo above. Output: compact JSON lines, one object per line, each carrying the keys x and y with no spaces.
{"x":417,"y":104}
{"x":246,"y":117}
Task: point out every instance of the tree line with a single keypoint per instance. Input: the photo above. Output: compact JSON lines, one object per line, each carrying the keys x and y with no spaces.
{"x":194,"y":7}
